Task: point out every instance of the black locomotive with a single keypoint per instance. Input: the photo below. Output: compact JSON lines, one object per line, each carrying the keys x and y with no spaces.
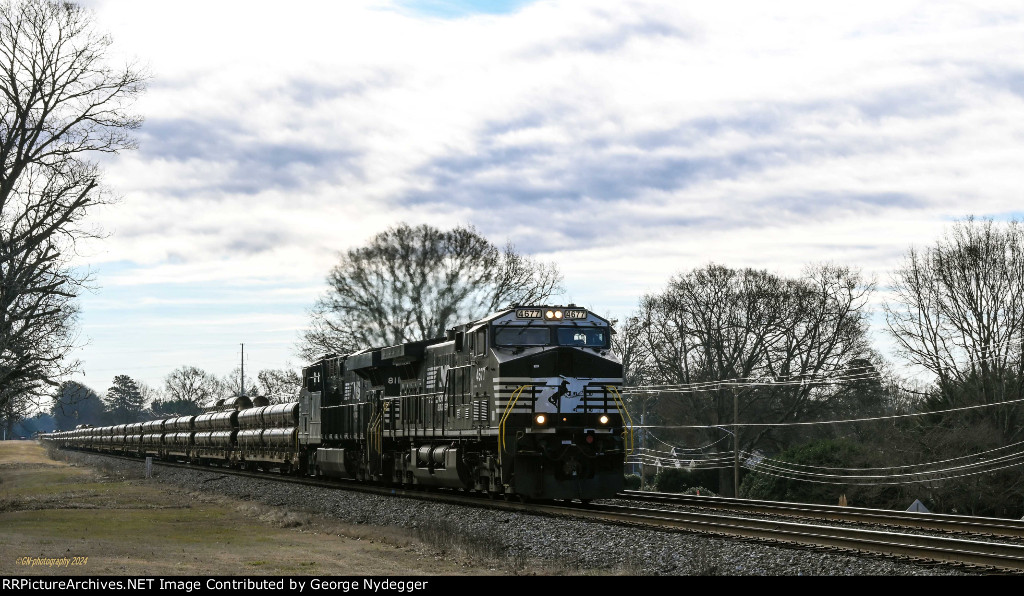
{"x":522,"y":403}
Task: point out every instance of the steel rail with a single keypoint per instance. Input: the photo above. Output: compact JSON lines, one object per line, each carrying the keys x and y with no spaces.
{"x":1009,"y":528}
{"x":988,"y":555}
{"x":918,"y":547}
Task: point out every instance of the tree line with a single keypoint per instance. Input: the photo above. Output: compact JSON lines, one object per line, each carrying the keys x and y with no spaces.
{"x":187,"y":391}
{"x":728,"y":359}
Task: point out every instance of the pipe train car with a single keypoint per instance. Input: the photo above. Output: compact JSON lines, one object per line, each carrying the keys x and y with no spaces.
{"x":522,"y":403}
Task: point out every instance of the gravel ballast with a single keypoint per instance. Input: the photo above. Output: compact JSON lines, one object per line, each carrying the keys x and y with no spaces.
{"x":572,"y":545}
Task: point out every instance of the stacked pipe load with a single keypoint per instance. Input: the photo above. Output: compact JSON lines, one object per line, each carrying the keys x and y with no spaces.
{"x":282,"y":421}
{"x":216,"y":429}
{"x":152,"y":435}
{"x":217,"y":421}
{"x":118,"y":436}
{"x":279,"y":438}
{"x":250,"y":428}
{"x":281,"y":415}
{"x":133,"y":436}
{"x":273,"y":427}
{"x":179,"y":432}
{"x":180,"y":424}
{"x":251,"y":417}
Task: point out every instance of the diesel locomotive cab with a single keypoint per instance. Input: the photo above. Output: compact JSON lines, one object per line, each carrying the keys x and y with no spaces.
{"x":556,"y":386}
{"x":524,"y":401}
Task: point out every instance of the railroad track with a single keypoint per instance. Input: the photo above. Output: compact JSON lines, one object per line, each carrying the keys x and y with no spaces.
{"x":969,"y":547}
{"x":958,"y":551}
{"x":954,"y":524}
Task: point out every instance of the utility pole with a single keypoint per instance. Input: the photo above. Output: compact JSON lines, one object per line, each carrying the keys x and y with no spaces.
{"x":243,"y":370}
{"x":735,"y":443}
{"x":736,"y":392}
{"x":642,"y":453}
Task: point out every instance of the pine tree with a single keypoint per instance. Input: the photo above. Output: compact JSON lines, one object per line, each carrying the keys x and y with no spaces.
{"x":124,"y":401}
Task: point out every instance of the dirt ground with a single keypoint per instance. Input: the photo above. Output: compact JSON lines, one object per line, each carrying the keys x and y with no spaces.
{"x":58,"y":519}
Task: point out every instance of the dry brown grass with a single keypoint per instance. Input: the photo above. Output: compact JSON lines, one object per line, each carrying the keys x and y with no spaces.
{"x":117,"y":522}
{"x":117,"y":525}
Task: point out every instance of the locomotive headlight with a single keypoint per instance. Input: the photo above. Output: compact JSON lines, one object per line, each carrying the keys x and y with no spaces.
{"x":603,"y":419}
{"x":540,"y":419}
{"x":549,"y":314}
{"x":553,"y":315}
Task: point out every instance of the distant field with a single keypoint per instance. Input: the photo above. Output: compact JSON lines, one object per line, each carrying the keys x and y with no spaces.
{"x":113,"y":522}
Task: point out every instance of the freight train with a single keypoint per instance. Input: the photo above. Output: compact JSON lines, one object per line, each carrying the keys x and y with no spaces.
{"x":524,"y":403}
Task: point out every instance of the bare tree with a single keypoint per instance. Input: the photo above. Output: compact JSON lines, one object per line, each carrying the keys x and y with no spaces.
{"x":149,"y":394}
{"x":280,"y":385}
{"x":629,"y":343}
{"x":277,"y":385}
{"x":751,"y":341}
{"x":192,"y":385}
{"x":232,"y":385}
{"x":59,"y":103}
{"x":958,"y":312}
{"x":412,"y":283}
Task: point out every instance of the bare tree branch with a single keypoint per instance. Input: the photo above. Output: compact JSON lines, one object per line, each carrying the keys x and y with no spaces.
{"x":958,"y":312}
{"x":717,"y":329}
{"x":412,"y":283}
{"x":59,"y":103}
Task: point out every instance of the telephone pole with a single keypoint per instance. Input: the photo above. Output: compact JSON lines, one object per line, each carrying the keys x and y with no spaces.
{"x":735,"y":443}
{"x":243,"y":371}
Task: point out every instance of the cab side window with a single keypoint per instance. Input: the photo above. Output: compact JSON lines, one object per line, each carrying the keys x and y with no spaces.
{"x":480,"y":342}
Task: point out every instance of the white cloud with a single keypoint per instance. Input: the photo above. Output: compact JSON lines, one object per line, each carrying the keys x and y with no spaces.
{"x":627,"y":140}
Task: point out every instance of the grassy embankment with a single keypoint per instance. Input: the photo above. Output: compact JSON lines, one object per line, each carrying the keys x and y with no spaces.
{"x":113,"y":521}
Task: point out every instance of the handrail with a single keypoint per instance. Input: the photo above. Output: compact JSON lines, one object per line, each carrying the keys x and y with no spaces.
{"x":376,"y":439}
{"x":369,"y":431}
{"x":380,"y":426}
{"x":621,"y":405}
{"x":508,"y":410}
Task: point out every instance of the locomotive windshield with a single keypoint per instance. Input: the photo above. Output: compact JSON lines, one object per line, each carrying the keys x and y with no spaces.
{"x":522,"y":335}
{"x":590,"y":337}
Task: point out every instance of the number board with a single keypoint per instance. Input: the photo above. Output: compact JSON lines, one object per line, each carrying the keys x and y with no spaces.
{"x":528,"y":313}
{"x":575,"y":314}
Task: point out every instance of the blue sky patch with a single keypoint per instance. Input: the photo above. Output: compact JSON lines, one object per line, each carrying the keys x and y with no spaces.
{"x":454,"y":9}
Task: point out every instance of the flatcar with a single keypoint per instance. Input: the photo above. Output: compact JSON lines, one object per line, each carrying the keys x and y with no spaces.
{"x":523,"y":403}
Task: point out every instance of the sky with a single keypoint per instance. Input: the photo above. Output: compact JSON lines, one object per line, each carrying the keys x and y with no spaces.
{"x":625,"y":141}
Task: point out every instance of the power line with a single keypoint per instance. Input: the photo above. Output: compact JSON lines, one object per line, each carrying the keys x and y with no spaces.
{"x":1010,"y":461}
{"x":845,"y":421}
{"x":944,"y":461}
